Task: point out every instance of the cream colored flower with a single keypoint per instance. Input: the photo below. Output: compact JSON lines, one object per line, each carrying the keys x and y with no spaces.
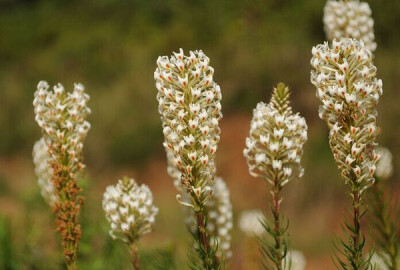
{"x":129,"y":209}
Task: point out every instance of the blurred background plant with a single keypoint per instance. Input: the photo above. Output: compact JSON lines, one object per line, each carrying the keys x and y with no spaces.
{"x":111,"y":46}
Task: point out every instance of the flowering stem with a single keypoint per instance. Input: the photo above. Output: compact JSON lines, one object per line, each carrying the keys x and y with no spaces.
{"x":277,"y":225}
{"x":135,"y":259}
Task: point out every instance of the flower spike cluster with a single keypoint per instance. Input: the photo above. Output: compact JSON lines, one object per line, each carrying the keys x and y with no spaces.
{"x":275,"y":145}
{"x":190,"y":108}
{"x":273,"y":152}
{"x":344,"y":76}
{"x":62,"y":117}
{"x":349,"y":19}
{"x":129,"y":210}
{"x":44,"y":172}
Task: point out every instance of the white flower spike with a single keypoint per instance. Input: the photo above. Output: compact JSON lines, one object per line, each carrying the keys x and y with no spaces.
{"x":189,"y":104}
{"x":276,"y":141}
{"x":349,"y":19}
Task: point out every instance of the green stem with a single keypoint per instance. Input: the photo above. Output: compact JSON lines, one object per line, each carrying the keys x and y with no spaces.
{"x":135,"y":258}
{"x":277,"y":225}
{"x":210,"y":262}
{"x":356,"y":234}
{"x":72,"y":265}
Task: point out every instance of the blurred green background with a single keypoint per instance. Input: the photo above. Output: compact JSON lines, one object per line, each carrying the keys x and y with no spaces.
{"x":111,"y":47}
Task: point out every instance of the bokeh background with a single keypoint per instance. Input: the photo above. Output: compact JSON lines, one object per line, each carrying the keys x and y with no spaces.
{"x":111,"y":47}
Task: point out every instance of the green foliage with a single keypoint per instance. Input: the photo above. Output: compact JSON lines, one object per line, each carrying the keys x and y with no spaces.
{"x":7,"y":255}
{"x":274,"y":246}
{"x":201,"y":255}
{"x":348,"y":253}
{"x":158,"y":259}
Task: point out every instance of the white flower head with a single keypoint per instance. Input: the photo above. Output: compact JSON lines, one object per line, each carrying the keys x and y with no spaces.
{"x":349,"y":19}
{"x":62,"y":117}
{"x":186,"y":83}
{"x":129,"y":209}
{"x":350,"y":110}
{"x":275,"y":143}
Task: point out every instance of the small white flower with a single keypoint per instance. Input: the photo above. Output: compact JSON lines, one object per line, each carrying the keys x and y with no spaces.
{"x":205,"y":143}
{"x":274,"y":146}
{"x":276,"y":165}
{"x":260,"y":158}
{"x":193,"y":123}
{"x":194,"y":108}
{"x":356,"y":150}
{"x":349,"y":159}
{"x":204,"y":159}
{"x":287,"y":143}
{"x":292,"y":155}
{"x":357,"y":171}
{"x":278,"y":133}
{"x":192,"y":156}
{"x":347,"y":138}
{"x":287,"y":172}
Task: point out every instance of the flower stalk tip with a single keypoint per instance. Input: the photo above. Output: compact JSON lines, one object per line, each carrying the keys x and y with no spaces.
{"x":273,"y":152}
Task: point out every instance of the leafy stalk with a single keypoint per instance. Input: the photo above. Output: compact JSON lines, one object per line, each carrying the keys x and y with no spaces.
{"x":203,"y":256}
{"x":273,"y":152}
{"x":274,"y":248}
